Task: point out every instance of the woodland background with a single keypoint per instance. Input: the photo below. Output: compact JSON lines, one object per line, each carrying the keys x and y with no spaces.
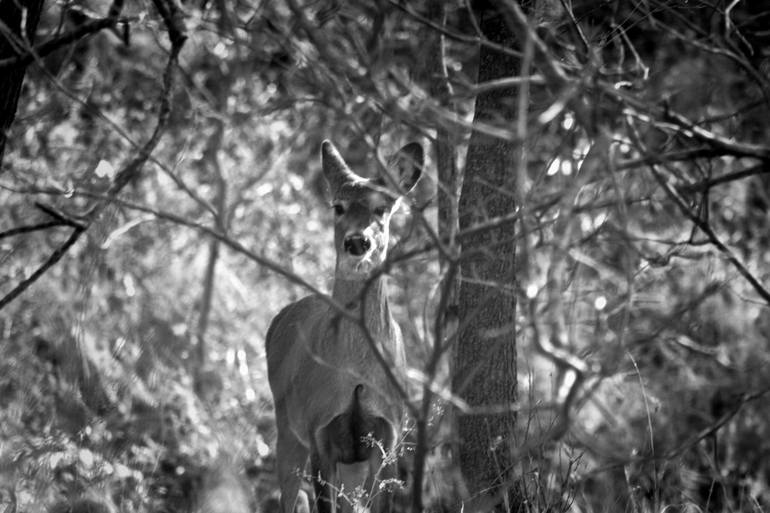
{"x":161,"y":199}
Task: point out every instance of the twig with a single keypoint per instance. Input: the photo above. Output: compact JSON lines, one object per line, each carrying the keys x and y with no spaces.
{"x":672,"y":156}
{"x":172,"y":18}
{"x":230,"y":243}
{"x":500,"y":83}
{"x":759,"y":169}
{"x":650,"y":430}
{"x":704,"y":433}
{"x":341,"y":310}
{"x":177,"y":36}
{"x":553,"y":70}
{"x":722,"y":51}
{"x":59,"y":220}
{"x":741,"y":401}
{"x":550,"y":66}
{"x":29,"y":228}
{"x":717,"y":141}
{"x":563,"y":359}
{"x":50,"y":262}
{"x":704,"y":226}
{"x":115,"y":126}
{"x":132,"y":169}
{"x":43,"y":49}
{"x":480,"y":40}
{"x":679,"y":123}
{"x":60,"y":217}
{"x":558,"y":355}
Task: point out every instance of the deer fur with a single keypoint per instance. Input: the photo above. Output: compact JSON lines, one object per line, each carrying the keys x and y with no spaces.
{"x":333,"y":397}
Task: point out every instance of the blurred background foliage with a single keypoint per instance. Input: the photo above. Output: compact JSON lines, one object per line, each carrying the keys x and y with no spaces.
{"x":132,"y":372}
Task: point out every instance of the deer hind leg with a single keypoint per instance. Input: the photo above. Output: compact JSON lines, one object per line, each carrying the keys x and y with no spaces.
{"x":291,"y":458}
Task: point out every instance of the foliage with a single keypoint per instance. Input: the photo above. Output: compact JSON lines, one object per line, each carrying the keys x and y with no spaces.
{"x":641,"y":231}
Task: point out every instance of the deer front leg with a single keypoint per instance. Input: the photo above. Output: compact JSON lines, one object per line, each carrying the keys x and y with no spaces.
{"x":291,"y":457}
{"x":325,"y":482}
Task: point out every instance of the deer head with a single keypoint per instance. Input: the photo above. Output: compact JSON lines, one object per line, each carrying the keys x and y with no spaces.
{"x":363,"y":207}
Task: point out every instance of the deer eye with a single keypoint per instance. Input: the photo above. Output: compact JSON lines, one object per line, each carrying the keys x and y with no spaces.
{"x":380,"y":211}
{"x":338,"y":209}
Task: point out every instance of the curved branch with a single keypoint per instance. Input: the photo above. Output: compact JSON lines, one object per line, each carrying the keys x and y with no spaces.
{"x":479,"y":39}
{"x":704,"y":226}
{"x":673,"y":121}
{"x":50,"y":46}
{"x":133,"y":168}
{"x":741,"y":401}
{"x":717,"y":141}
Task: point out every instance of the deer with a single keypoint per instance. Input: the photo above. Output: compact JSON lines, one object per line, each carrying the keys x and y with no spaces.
{"x":337,"y":402}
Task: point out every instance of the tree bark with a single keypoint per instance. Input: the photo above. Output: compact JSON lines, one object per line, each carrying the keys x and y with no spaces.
{"x":436,"y":75}
{"x":12,"y":12}
{"x":485,"y":354}
{"x":211,"y":157}
{"x":220,"y":91}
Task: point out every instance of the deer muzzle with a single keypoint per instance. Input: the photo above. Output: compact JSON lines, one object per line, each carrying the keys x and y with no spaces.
{"x":357,"y":245}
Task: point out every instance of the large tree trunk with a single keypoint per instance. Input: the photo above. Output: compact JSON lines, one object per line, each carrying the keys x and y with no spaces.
{"x":485,"y":357}
{"x":11,"y":79}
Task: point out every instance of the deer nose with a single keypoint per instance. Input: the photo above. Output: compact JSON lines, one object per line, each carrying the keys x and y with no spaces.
{"x":357,"y":245}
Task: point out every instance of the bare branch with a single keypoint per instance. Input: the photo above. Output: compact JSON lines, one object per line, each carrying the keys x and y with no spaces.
{"x":29,"y":228}
{"x":44,"y":49}
{"x":133,"y":168}
{"x":671,"y":121}
{"x":673,"y":156}
{"x":131,"y":171}
{"x":60,"y":219}
{"x":501,"y":83}
{"x":480,"y":40}
{"x":230,"y":243}
{"x":703,"y":225}
{"x":50,"y":262}
{"x":757,"y":76}
{"x":759,"y":169}
{"x":741,"y":401}
{"x":172,"y":18}
{"x":717,"y":141}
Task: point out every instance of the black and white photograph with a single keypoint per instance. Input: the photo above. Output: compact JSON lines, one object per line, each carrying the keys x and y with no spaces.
{"x":384,"y":256}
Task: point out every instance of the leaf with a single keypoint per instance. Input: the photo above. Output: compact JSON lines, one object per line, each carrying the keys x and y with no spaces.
{"x":55,"y":458}
{"x":122,"y":471}
{"x":104,"y":170}
{"x":86,"y":458}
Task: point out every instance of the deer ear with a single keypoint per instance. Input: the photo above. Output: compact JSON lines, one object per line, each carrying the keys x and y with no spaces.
{"x":407,"y":164}
{"x":335,"y":169}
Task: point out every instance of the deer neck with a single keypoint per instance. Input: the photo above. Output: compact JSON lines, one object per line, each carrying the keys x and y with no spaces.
{"x":371,"y":294}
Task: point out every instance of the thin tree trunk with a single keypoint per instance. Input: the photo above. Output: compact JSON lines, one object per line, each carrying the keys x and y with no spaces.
{"x":205,"y":305}
{"x":448,"y":193}
{"x":485,"y":356}
{"x":220,"y":92}
{"x":12,"y":12}
{"x":209,"y":275}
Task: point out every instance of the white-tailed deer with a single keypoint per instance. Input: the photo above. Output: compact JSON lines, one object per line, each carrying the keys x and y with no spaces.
{"x":332,"y":395}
